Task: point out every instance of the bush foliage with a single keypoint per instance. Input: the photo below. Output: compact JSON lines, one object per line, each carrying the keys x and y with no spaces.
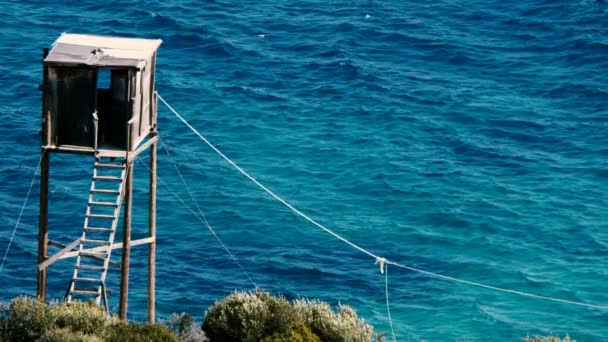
{"x":67,"y":335}
{"x":86,"y":318}
{"x":183,"y":324}
{"x":241,"y":316}
{"x":126,"y":332}
{"x":27,"y":319}
{"x":548,"y":339}
{"x":301,"y":333}
{"x":255,"y":316}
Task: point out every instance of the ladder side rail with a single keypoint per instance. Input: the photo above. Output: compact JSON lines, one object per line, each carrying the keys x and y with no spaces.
{"x":114,"y":225}
{"x":72,"y":286}
{"x":100,"y":293}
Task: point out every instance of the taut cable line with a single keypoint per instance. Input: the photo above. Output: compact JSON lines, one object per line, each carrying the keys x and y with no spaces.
{"x":201,"y":217}
{"x":27,"y":196}
{"x":388,"y":305}
{"x":377,"y":258}
{"x":263,"y":187}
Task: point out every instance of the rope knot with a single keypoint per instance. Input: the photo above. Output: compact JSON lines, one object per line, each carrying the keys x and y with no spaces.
{"x":381,"y":261}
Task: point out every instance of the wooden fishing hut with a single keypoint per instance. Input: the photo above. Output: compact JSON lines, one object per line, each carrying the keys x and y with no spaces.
{"x":99,"y":101}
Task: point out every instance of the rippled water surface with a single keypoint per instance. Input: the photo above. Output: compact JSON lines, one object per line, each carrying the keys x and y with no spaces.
{"x":467,"y":138}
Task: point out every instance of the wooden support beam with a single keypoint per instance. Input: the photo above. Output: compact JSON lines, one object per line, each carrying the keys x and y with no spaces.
{"x":152,"y":234}
{"x":111,"y":153}
{"x":69,"y":149}
{"x":126,"y":247}
{"x":144,"y":146}
{"x":53,"y":243}
{"x":43,"y":265}
{"x":43,"y":233}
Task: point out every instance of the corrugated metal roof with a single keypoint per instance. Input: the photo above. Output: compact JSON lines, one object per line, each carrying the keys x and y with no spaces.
{"x":91,"y":50}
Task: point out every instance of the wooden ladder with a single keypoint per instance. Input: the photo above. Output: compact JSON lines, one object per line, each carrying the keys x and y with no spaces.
{"x":100,"y":222}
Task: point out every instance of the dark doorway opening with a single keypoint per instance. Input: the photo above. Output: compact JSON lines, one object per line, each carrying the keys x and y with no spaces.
{"x":112,"y":108}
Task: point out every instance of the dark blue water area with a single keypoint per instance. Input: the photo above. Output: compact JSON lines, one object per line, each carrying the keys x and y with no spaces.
{"x":464,"y":138}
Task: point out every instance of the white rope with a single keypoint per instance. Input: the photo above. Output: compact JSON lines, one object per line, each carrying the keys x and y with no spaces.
{"x":203,"y":220}
{"x":189,"y":47}
{"x":376,"y":257}
{"x":381,"y":262}
{"x":388,"y":306}
{"x":263,"y":187}
{"x":495,"y":288}
{"x":10,"y":242}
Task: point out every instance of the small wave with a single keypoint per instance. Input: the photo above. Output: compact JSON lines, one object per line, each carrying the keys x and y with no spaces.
{"x":471,"y":151}
{"x":257,"y":94}
{"x":342,"y":68}
{"x":569,"y":89}
{"x":460,"y":58}
{"x":518,"y":124}
{"x":533,"y":280}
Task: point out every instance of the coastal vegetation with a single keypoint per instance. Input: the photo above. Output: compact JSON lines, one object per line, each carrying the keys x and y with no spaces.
{"x":548,"y":339}
{"x":241,"y":316}
{"x":26,"y":319}
{"x":260,"y":316}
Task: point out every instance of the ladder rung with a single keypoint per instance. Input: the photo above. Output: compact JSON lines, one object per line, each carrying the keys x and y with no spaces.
{"x":87,"y":246}
{"x":88,"y":280}
{"x":110,"y":154}
{"x":82,"y":291}
{"x":90,"y":267}
{"x":113,"y":178}
{"x":105,"y":191}
{"x":98,"y":242}
{"x":116,"y":166}
{"x":100,"y":216}
{"x":97,"y":229}
{"x":94,"y":254}
{"x":107,"y":204}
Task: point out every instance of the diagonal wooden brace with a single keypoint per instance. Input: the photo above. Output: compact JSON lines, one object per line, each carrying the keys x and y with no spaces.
{"x":67,"y":249}
{"x":69,"y":252}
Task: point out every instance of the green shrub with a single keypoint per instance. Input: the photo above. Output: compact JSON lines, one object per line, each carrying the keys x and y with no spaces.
{"x":548,"y":339}
{"x":281,"y":317}
{"x":301,"y":333}
{"x":183,"y":324}
{"x":238,"y":317}
{"x":253,"y":316}
{"x":343,"y":326}
{"x":25,"y":319}
{"x":123,"y":332}
{"x":179,"y":322}
{"x":67,"y":335}
{"x":86,"y":318}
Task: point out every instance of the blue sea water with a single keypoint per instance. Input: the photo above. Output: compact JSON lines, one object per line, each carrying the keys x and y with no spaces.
{"x":467,"y":138}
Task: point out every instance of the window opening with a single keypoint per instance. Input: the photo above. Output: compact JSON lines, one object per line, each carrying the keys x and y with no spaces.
{"x":103,"y":79}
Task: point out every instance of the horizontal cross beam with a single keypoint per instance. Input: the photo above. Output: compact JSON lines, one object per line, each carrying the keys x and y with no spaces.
{"x":69,"y":252}
{"x":103,"y":248}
